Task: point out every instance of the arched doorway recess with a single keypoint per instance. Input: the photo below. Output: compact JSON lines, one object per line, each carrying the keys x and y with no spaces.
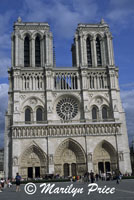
{"x":70,"y":159}
{"x":104,"y":158}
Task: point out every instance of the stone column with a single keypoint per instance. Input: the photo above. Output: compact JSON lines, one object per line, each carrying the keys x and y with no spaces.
{"x":110,"y":50}
{"x":33,"y":172}
{"x":42,"y":51}
{"x":70,"y":170}
{"x":32,"y":54}
{"x":104,"y":167}
{"x":78,"y":79}
{"x":30,"y":83}
{"x":84,"y":79}
{"x":84,"y":50}
{"x":34,"y":83}
{"x":77,"y":50}
{"x":16,"y":50}
{"x":19,"y":82}
{"x":21,"y":53}
{"x":15,"y":82}
{"x":50,"y":49}
{"x":102,"y":52}
{"x":13,"y":50}
{"x":94,"y":56}
{"x":46,"y":47}
{"x":81,"y":50}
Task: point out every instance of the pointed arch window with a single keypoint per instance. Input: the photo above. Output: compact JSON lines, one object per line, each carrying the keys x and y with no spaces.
{"x":27,"y":115}
{"x":37,"y":52}
{"x":104,"y":113}
{"x":26,"y":51}
{"x":98,"y":52}
{"x":39,"y":115}
{"x":89,"y":53}
{"x":94,"y":113}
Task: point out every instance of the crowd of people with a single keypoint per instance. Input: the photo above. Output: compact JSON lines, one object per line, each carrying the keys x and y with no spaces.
{"x":8,"y":183}
{"x":88,"y":177}
{"x":91,"y":177}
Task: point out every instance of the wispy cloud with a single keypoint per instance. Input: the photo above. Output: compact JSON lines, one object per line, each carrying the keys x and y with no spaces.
{"x":121,"y":12}
{"x":127,"y":85}
{"x":5,"y":62}
{"x":5,"y":41}
{"x":62,"y":16}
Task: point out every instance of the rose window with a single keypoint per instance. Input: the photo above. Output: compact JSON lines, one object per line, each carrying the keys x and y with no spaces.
{"x":67,"y":108}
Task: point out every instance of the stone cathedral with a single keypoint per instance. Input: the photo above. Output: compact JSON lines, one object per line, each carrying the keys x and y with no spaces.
{"x":69,"y":120}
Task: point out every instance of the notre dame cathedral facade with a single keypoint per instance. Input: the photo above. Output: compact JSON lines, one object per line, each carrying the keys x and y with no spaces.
{"x":64,"y":121}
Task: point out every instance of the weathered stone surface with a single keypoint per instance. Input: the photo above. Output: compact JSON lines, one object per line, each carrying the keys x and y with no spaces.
{"x":63,"y":135}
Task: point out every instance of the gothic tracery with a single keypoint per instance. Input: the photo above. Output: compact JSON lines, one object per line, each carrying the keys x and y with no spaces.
{"x":67,"y":120}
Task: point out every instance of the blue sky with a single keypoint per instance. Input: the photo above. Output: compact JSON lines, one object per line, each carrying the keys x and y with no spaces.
{"x":63,"y":17}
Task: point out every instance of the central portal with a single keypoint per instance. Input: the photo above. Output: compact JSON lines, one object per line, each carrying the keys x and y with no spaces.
{"x":70,"y":159}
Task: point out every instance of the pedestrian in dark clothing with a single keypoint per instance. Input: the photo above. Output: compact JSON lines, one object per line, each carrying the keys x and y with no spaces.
{"x":18,"y":179}
{"x":117,"y":173}
{"x":86,"y":177}
{"x":97,"y":177}
{"x":92,"y":176}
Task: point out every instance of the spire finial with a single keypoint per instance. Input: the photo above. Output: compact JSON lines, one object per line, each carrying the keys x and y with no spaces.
{"x":19,"y":20}
{"x":102,"y":21}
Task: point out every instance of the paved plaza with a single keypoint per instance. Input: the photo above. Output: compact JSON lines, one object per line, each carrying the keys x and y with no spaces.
{"x":123,"y":191}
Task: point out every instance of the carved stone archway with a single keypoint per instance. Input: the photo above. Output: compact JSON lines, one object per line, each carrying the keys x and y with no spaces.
{"x":104,"y":158}
{"x":33,"y":162}
{"x":71,"y":154}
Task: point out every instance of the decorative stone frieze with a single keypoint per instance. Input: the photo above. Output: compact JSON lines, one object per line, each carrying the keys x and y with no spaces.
{"x":66,"y":130}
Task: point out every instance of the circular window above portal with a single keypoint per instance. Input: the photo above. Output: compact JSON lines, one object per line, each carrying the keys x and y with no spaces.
{"x":67,"y":108}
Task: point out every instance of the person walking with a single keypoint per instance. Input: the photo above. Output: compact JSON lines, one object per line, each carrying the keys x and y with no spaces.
{"x":18,"y":179}
{"x":117,"y":176}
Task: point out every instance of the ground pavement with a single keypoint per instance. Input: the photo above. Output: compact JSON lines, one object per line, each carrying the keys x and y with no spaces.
{"x":123,"y":191}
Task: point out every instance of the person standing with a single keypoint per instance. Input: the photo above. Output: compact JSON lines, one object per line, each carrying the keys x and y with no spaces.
{"x":2,"y":183}
{"x":18,"y":179}
{"x":97,"y":177}
{"x":0,"y":186}
{"x":92,"y":176}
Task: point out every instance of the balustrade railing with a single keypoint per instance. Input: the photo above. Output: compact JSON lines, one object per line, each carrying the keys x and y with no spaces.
{"x":65,"y":81}
{"x":97,"y":80}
